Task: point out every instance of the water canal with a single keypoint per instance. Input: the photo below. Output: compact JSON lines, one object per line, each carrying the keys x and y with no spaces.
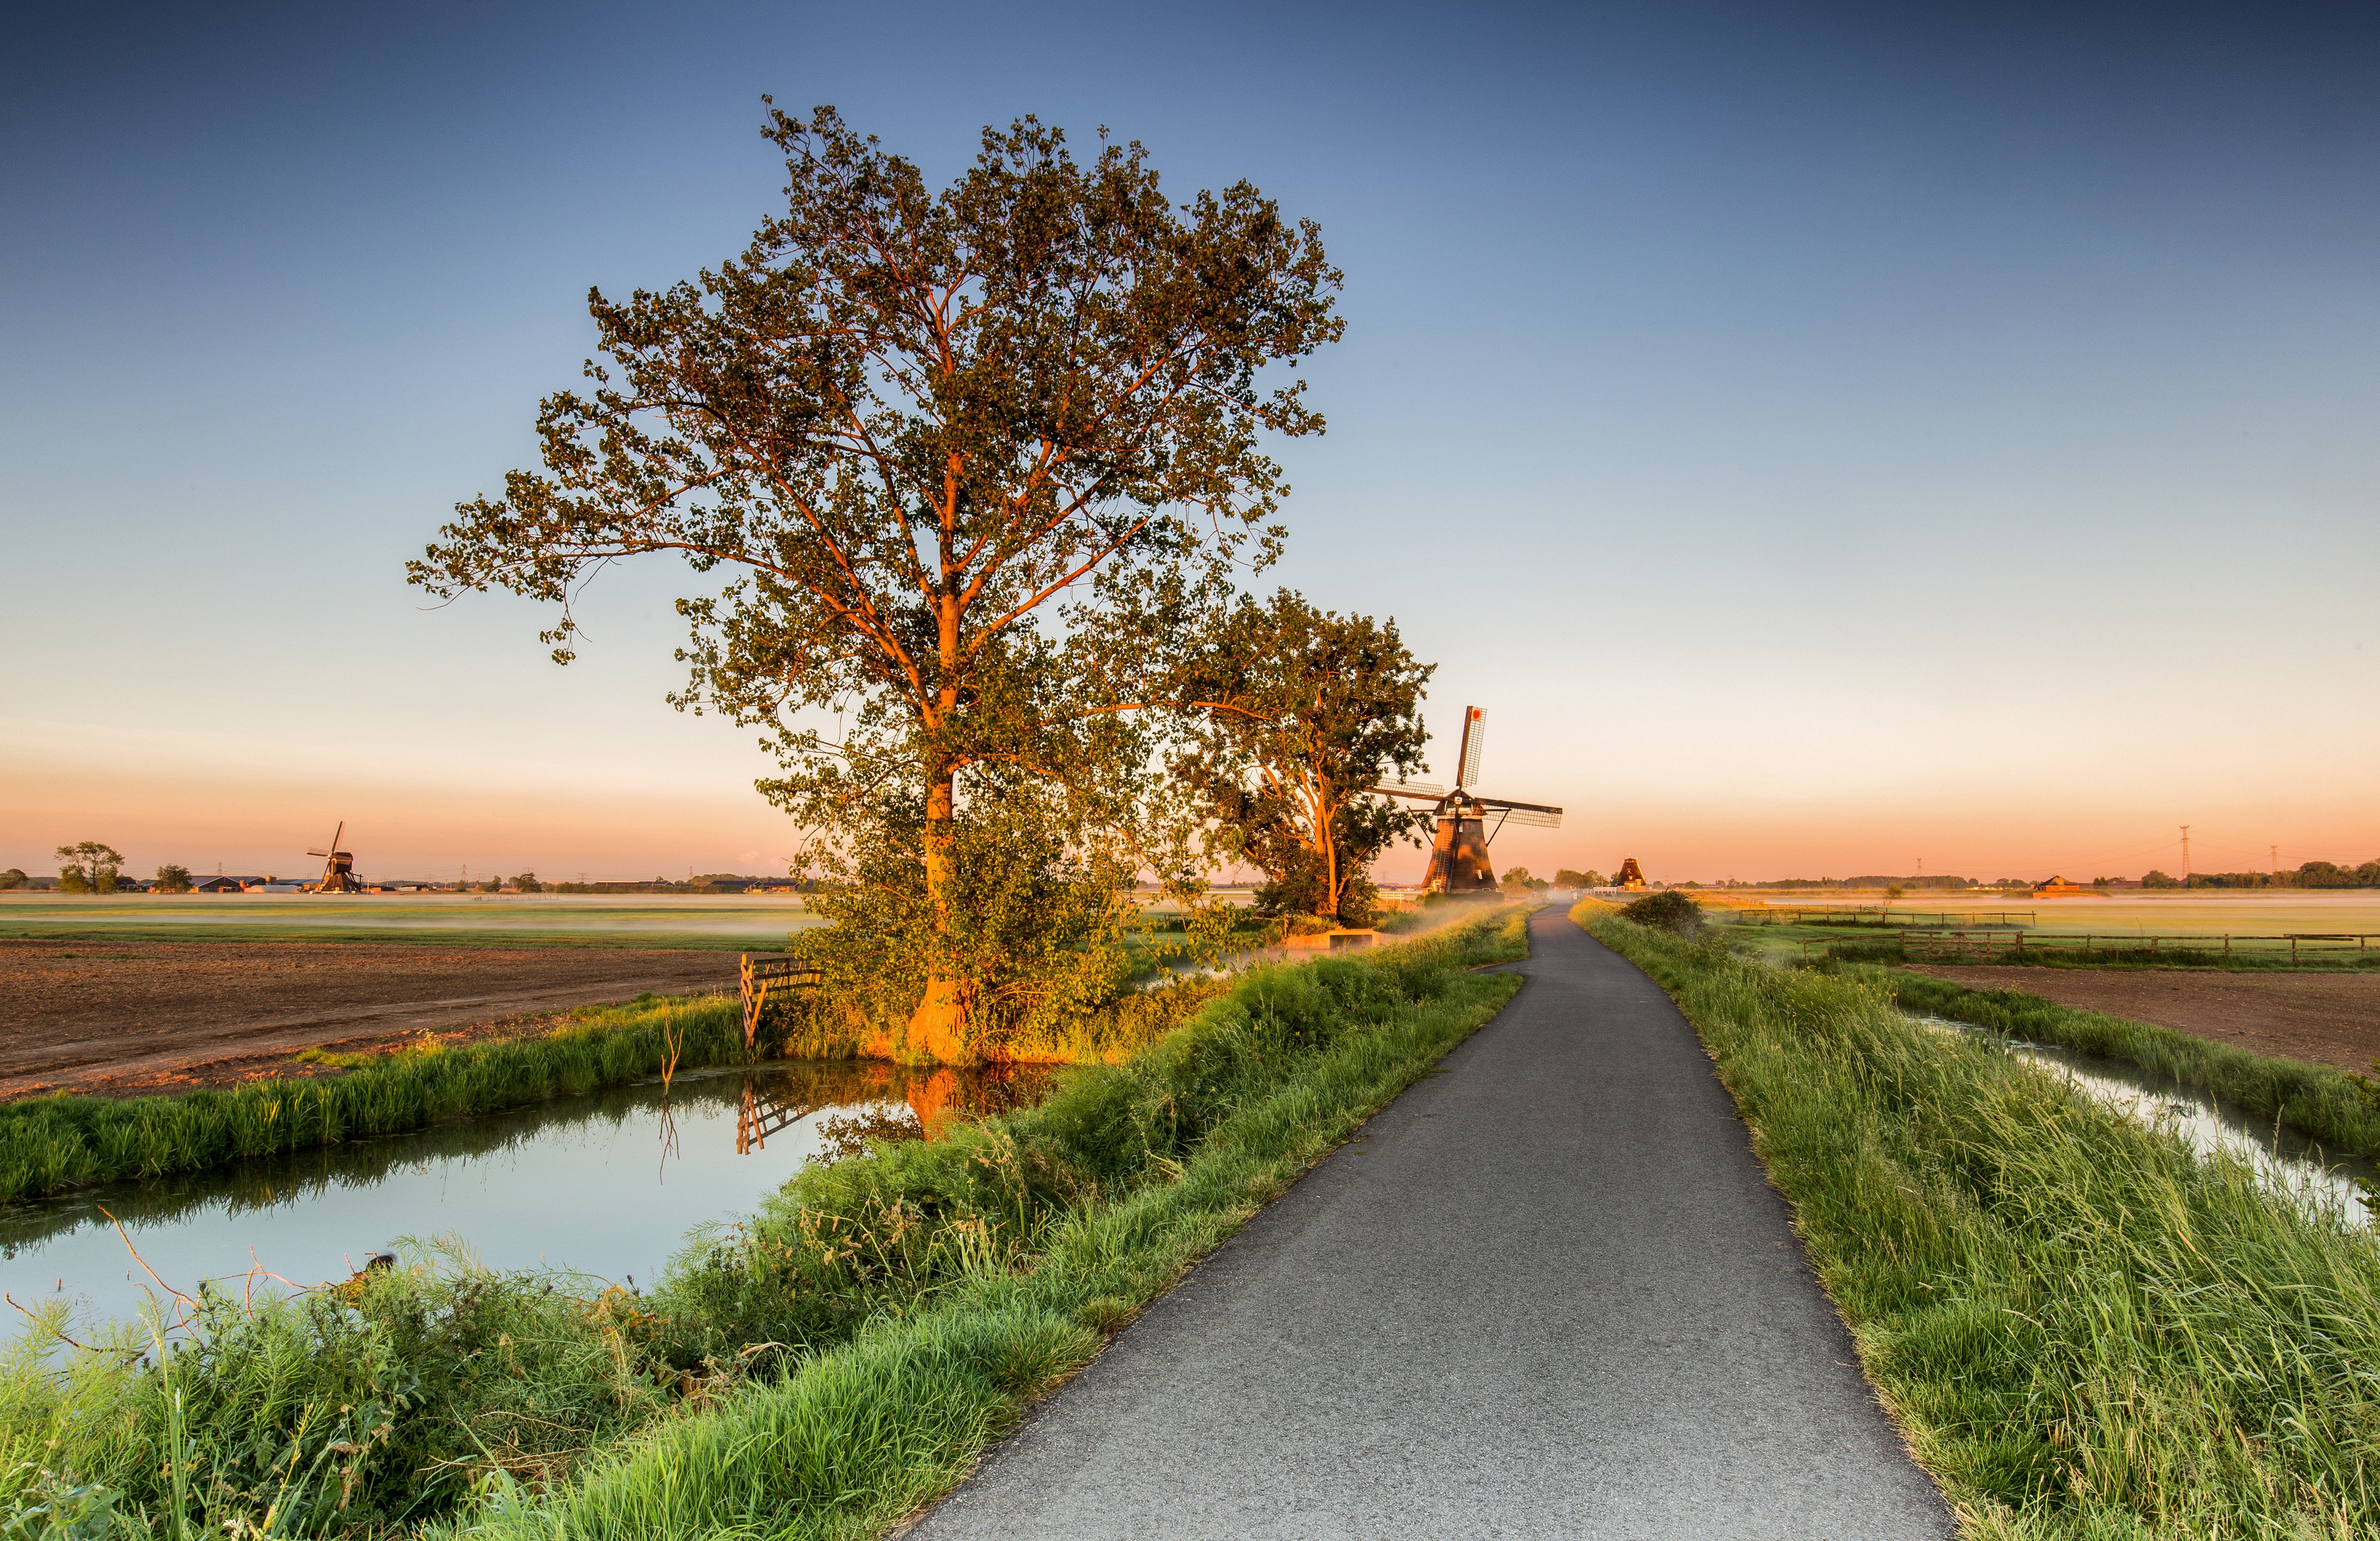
{"x":2286,"y":1164}
{"x":607,"y":1184}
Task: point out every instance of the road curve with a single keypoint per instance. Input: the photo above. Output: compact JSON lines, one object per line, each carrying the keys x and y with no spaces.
{"x":1549,"y":1292}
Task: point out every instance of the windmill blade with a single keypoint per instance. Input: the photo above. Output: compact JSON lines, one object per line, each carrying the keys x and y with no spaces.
{"x":339,"y":835}
{"x":1474,"y":739}
{"x":1535,"y":814}
{"x":1422,"y":790}
{"x":311,"y":851}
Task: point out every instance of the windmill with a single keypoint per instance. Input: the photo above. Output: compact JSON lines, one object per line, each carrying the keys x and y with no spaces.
{"x":338,"y":868}
{"x":1457,"y":857}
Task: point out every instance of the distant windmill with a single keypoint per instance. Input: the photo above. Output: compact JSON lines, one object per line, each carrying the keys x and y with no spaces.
{"x":338,"y":868}
{"x":1457,"y":857}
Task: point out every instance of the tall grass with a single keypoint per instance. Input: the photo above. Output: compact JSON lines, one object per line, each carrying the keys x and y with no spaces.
{"x":2324,"y":1104}
{"x":817,"y":1371}
{"x":2083,"y":1331}
{"x":48,"y":1144}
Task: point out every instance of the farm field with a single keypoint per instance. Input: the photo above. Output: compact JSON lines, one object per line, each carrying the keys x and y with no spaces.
{"x":138,"y":1016}
{"x":724,"y":920}
{"x":2325,"y":1018}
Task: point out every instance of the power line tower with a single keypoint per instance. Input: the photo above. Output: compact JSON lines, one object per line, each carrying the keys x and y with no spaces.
{"x":2185,"y":850}
{"x":2277,"y":859}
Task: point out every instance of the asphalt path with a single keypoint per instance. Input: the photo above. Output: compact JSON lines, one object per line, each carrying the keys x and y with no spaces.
{"x":1549,"y":1292}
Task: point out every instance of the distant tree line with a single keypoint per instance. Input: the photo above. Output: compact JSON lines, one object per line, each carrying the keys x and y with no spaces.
{"x":2312,"y":874}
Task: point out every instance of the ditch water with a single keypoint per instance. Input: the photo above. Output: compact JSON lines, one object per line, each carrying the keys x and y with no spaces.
{"x":607,"y":1184}
{"x":2288,"y":1164}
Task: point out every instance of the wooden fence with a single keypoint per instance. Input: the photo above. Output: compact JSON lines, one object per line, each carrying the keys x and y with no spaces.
{"x":764,"y":972}
{"x":1881,"y":915}
{"x":1983,"y":943}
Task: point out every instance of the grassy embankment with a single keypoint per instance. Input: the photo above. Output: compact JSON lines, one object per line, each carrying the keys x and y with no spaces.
{"x":48,"y":1144}
{"x":815,"y":1372}
{"x":2340,"y":1110}
{"x":2083,"y":1331}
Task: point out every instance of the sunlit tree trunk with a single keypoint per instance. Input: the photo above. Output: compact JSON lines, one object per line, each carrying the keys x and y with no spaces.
{"x":938,"y":1029}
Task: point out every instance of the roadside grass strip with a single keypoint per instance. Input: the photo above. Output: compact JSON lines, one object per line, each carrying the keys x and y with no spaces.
{"x":2082,"y":1331}
{"x":49,"y":1145}
{"x":820,"y":1370}
{"x":2340,"y":1110}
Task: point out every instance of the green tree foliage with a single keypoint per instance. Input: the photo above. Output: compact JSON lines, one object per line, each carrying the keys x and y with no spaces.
{"x":1518,"y":883}
{"x":527,"y":883}
{"x":1301,"y":711}
{"x":14,"y":878}
{"x":87,"y":867}
{"x":1569,"y":877}
{"x":2312,"y":874}
{"x":912,"y":426}
{"x":2156,"y":879}
{"x":173,"y":879}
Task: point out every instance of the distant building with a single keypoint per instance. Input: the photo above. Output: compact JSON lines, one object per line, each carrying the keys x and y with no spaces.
{"x":2057,"y":887}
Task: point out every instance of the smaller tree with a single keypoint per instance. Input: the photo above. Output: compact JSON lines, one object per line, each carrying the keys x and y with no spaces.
{"x":527,"y":883}
{"x":14,"y":878}
{"x":89,"y":867}
{"x":171,"y":879}
{"x":1304,"y":711}
{"x":1571,"y":877}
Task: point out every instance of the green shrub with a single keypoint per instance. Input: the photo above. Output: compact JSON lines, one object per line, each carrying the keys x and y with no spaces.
{"x":1667,"y":911}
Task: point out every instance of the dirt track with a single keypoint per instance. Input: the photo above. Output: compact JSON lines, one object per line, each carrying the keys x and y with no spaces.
{"x":2328,"y":1019}
{"x":119,"y":1018}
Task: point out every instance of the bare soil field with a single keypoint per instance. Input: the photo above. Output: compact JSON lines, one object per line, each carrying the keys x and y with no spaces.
{"x":2327,"y":1019}
{"x":121,"y":1019}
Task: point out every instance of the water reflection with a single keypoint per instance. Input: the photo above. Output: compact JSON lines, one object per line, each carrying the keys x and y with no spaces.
{"x":608,"y":1183}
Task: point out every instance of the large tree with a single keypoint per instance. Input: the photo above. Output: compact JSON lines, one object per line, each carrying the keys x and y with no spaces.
{"x":89,"y":867}
{"x":1304,"y":711}
{"x":911,"y":424}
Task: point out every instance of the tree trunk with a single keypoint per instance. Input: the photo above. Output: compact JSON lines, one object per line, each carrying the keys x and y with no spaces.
{"x":938,"y":1028}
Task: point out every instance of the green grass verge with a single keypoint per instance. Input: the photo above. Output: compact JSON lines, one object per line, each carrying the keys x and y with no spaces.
{"x":2082,"y":1331}
{"x":2325,"y":1105}
{"x":49,"y":1145}
{"x":816,"y":1372}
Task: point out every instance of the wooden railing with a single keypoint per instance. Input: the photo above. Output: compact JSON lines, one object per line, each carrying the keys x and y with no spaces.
{"x":1785,"y":914}
{"x":1987,"y":944}
{"x":764,"y":972}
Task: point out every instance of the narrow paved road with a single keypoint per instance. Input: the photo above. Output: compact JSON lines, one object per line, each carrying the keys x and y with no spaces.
{"x":1549,"y":1294}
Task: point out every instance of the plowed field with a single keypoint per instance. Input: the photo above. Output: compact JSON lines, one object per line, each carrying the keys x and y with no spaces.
{"x":121,"y":1017}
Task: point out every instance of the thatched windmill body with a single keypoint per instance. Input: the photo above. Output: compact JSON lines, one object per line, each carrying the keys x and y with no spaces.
{"x":338,"y":868}
{"x":1459,"y":861}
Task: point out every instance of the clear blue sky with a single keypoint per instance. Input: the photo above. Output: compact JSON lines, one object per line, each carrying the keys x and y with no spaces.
{"x":1821,"y":438}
